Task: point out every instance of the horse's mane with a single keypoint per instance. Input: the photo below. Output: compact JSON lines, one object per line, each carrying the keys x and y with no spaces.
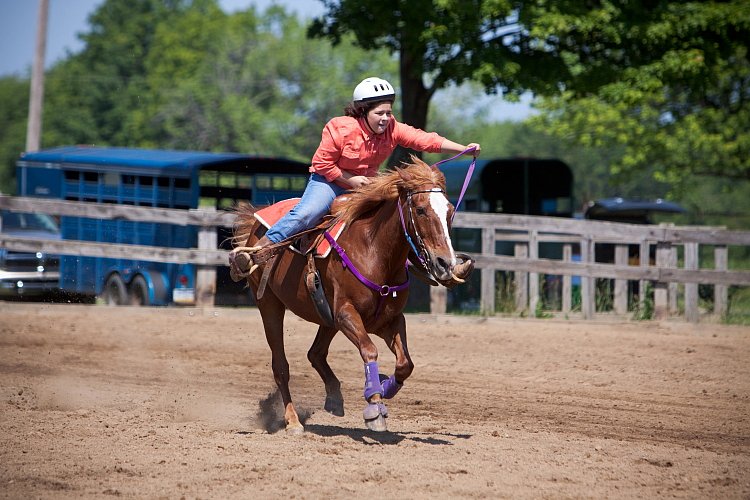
{"x":386,"y":186}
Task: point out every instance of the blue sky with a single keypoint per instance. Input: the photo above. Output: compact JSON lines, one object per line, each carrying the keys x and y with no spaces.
{"x":68,"y":18}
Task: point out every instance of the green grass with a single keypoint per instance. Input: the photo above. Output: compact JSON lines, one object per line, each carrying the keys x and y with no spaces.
{"x":738,"y":312}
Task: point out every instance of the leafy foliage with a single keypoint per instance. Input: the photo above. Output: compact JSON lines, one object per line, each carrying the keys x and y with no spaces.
{"x":668,"y":81}
{"x":183,"y":74}
{"x":14,"y":104}
{"x":440,"y":43}
{"x":640,"y":98}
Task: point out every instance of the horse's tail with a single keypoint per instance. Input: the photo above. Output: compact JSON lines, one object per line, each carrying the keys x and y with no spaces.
{"x":244,"y":223}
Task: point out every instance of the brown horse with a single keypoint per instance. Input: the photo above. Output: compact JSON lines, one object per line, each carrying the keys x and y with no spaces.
{"x":401,"y":211}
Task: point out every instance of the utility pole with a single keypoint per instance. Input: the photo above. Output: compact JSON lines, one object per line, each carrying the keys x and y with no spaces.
{"x":36,"y":98}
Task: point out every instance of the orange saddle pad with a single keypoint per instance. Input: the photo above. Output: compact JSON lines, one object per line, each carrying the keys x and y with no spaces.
{"x":271,"y":214}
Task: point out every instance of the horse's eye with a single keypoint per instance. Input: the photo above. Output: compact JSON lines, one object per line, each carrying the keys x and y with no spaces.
{"x":421,"y":211}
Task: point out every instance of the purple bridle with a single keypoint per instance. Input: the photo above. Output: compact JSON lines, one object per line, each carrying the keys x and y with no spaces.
{"x":383,"y":290}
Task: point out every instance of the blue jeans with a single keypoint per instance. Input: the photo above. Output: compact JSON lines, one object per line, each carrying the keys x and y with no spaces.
{"x":315,"y":203}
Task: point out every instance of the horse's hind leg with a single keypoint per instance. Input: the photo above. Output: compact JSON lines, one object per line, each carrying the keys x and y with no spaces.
{"x":317,"y":355}
{"x":272,"y":311}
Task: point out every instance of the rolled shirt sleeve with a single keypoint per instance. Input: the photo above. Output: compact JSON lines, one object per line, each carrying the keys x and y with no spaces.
{"x":414,"y":138}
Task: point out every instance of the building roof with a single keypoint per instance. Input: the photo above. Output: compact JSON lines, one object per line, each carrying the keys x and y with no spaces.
{"x":157,"y":159}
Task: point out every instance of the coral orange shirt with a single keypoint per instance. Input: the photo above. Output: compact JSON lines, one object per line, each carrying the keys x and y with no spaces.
{"x":349,"y":144}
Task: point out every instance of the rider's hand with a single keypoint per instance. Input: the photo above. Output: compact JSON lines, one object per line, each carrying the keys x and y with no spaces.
{"x":358,"y":181}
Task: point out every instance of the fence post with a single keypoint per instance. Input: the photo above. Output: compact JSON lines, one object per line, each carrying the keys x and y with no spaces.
{"x":205,"y":280}
{"x":588,"y":284}
{"x":488,"y":273}
{"x":673,"y":287}
{"x":661,"y":303}
{"x":567,"y":292}
{"x":521,"y":278}
{"x":645,"y":260}
{"x":691,"y":289}
{"x":533,"y":277}
{"x":621,"y":286}
{"x":721,"y":295}
{"x":438,"y":300}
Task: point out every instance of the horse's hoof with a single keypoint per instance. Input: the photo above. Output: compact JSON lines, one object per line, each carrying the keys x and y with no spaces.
{"x":334,"y":407}
{"x":295,"y":430}
{"x":377,"y":424}
{"x":375,"y":415}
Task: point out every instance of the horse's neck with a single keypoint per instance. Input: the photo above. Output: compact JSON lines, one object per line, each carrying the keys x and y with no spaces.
{"x":383,"y":239}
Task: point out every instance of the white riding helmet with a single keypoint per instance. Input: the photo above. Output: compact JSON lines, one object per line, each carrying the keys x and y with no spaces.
{"x":373,"y":89}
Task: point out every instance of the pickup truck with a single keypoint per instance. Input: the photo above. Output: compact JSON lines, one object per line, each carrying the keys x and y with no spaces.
{"x":28,"y":274}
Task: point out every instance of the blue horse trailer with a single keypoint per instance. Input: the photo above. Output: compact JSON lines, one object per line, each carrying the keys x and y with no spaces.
{"x":152,"y":178}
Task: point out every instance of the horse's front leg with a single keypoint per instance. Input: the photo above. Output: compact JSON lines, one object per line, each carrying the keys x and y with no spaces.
{"x":318,"y":355}
{"x":350,"y":323}
{"x":395,"y":337}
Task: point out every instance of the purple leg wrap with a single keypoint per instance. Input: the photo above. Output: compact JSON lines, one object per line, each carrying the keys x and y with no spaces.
{"x":390,"y":387}
{"x":372,"y":380}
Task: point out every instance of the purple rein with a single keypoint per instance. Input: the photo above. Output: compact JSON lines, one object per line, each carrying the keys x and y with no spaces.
{"x":469,"y":173}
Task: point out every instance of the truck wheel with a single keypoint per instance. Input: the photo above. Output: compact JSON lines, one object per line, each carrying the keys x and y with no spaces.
{"x":139,"y":292}
{"x":115,"y":293}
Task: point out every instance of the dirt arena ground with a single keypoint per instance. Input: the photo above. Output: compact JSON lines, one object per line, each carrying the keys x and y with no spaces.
{"x":178,"y":403}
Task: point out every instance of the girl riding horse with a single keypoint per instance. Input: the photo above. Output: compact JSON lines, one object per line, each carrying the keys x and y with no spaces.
{"x":350,"y":151}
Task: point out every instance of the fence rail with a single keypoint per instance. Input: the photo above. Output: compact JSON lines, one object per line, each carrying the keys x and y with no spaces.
{"x":526,"y":233}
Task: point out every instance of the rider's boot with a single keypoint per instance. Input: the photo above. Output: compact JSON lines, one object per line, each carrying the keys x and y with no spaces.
{"x":241,"y":264}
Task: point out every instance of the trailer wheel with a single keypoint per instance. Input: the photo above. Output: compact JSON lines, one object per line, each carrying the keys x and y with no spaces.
{"x":139,"y":292}
{"x":115,"y":293}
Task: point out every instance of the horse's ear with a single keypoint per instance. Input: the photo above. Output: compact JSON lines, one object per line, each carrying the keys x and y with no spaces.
{"x":404,"y":174}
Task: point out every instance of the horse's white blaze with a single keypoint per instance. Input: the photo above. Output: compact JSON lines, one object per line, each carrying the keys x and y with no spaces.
{"x":439,"y":204}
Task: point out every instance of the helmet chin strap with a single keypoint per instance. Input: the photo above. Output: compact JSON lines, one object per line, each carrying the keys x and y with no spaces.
{"x":367,"y":122}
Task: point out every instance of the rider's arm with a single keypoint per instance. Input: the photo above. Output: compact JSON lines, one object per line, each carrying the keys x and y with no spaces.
{"x":449,"y":146}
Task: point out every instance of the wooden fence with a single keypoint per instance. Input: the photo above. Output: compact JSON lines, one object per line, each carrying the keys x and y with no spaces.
{"x":524,"y":233}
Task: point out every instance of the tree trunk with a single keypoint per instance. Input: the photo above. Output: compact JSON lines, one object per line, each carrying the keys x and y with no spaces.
{"x":415,"y":103}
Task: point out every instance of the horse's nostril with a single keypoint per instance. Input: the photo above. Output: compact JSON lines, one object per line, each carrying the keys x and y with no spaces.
{"x":443,"y":264}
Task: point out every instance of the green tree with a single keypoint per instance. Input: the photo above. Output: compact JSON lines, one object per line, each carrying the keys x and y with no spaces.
{"x":14,"y":105}
{"x":667,"y":81}
{"x":93,"y":93}
{"x":590,"y":165}
{"x":261,"y":87}
{"x":439,"y":43}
